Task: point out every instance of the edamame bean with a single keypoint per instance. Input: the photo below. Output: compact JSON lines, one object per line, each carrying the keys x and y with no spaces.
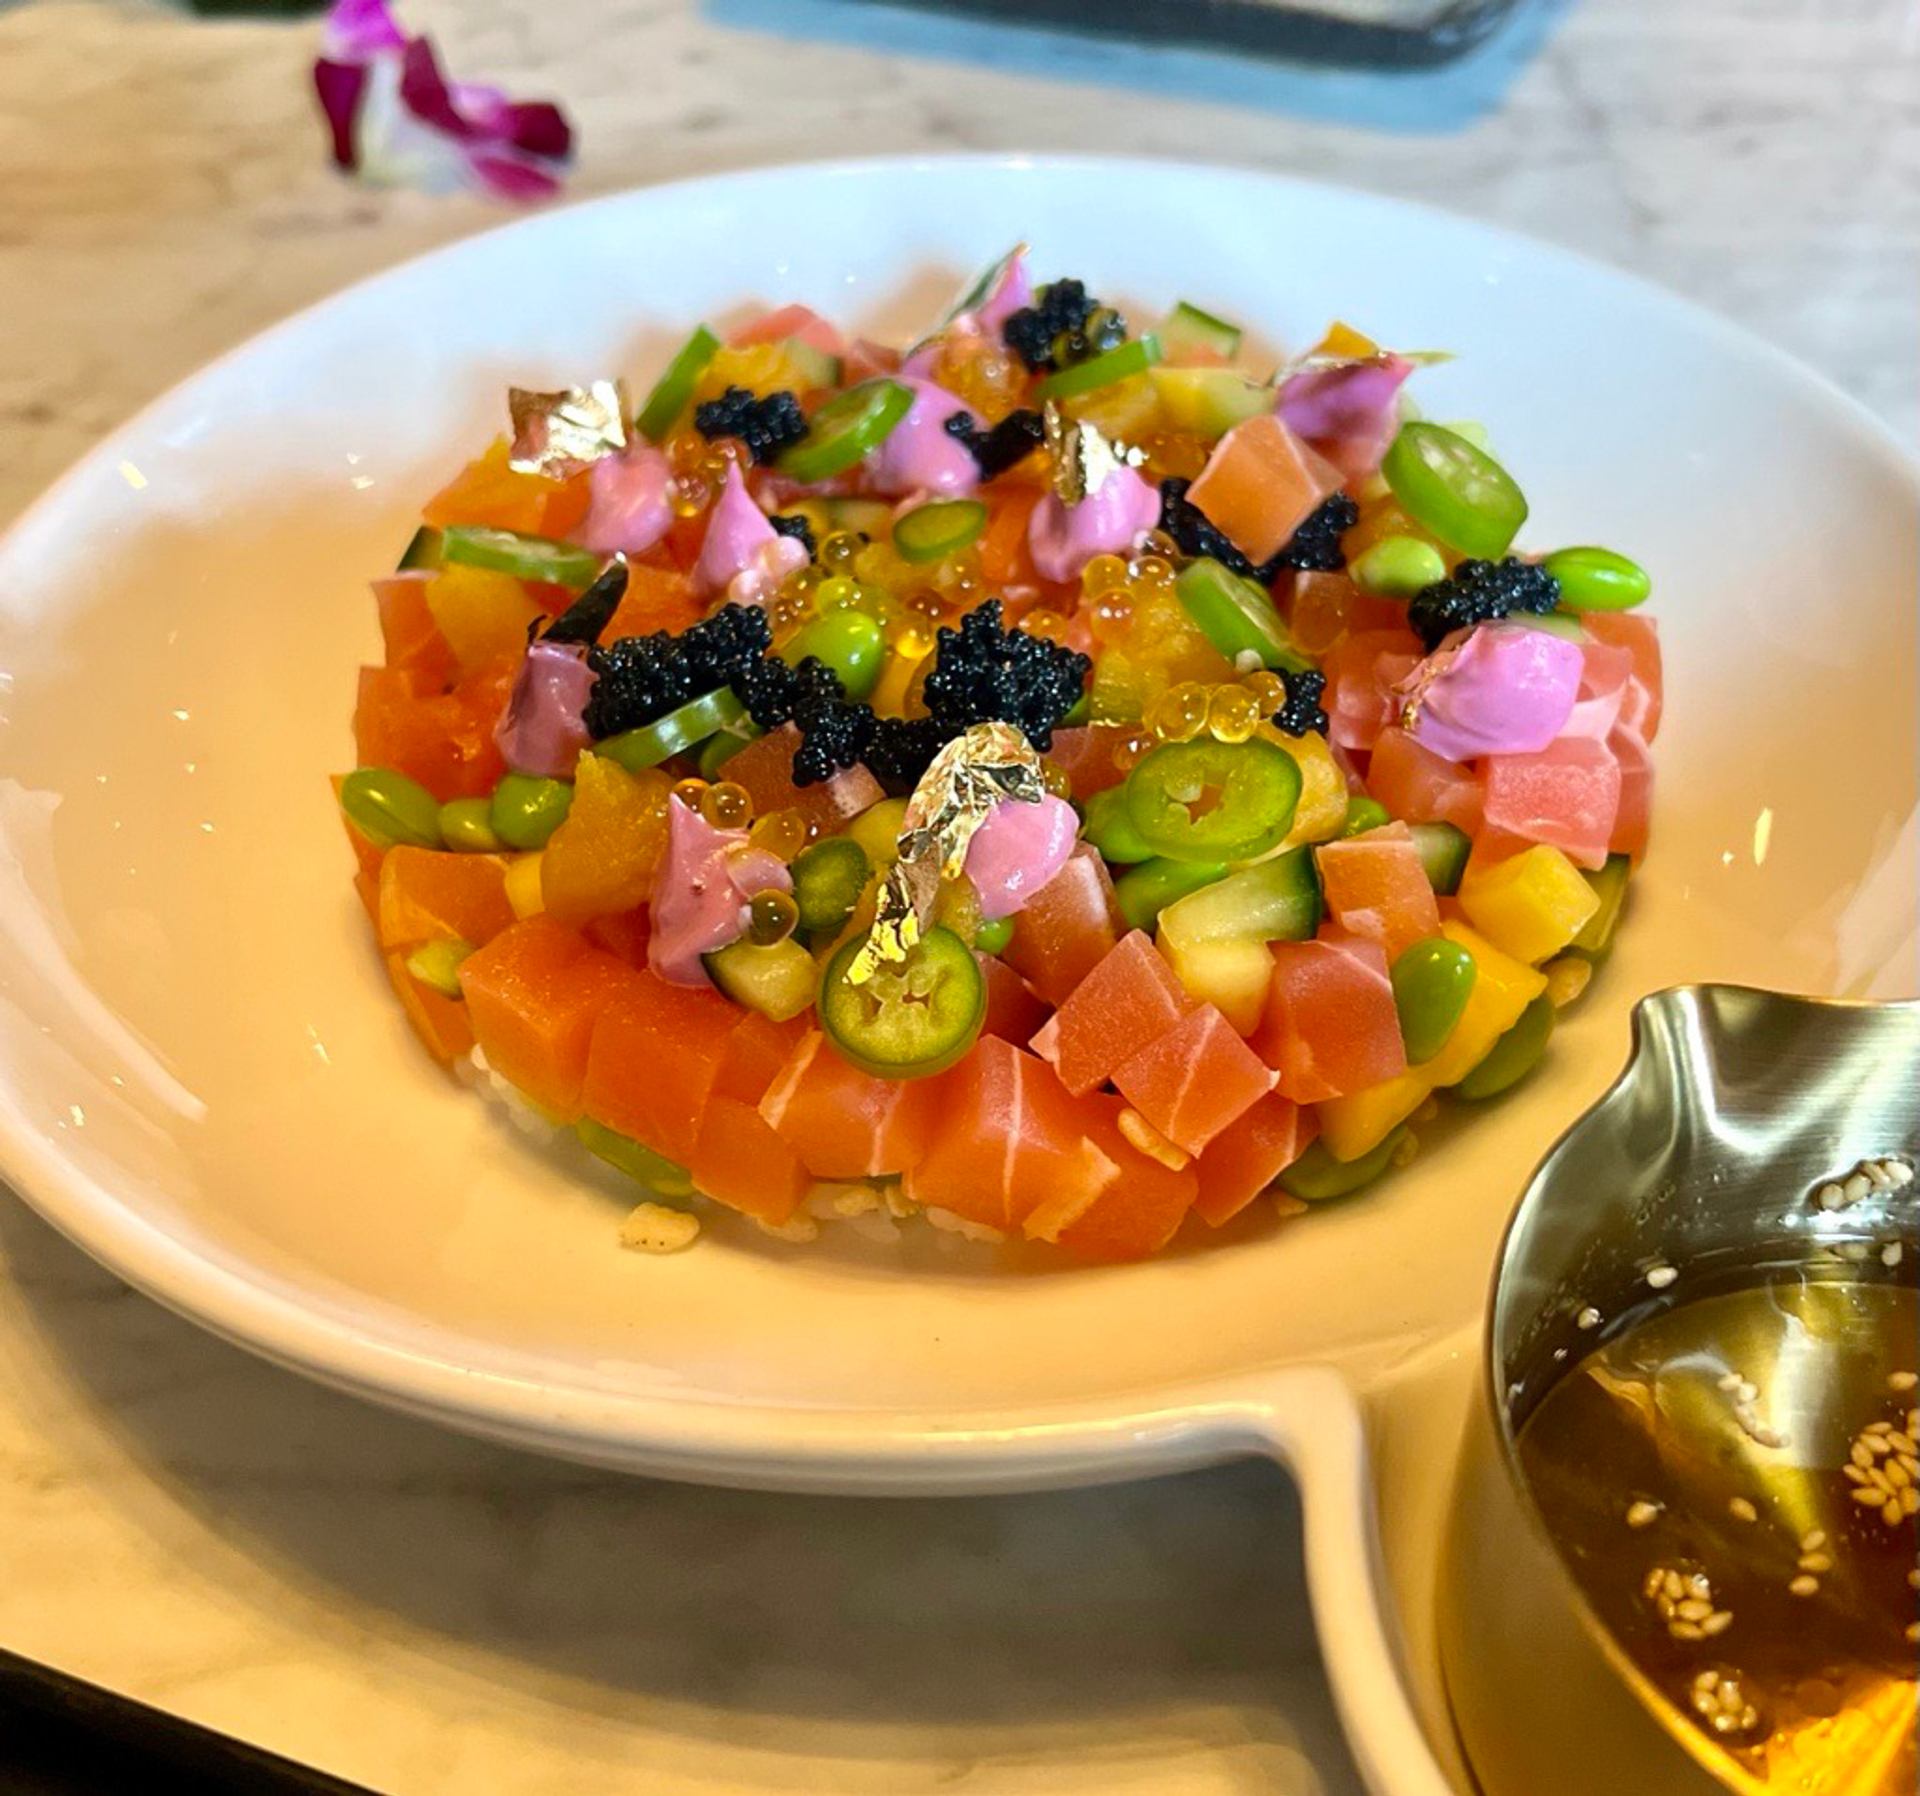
{"x":1317,"y":1175}
{"x":1514,"y":1055}
{"x":1598,"y":579}
{"x":437,"y":964}
{"x":387,"y":807}
{"x":526,"y":810}
{"x":1364,"y":814}
{"x":467,"y":824}
{"x":1432,"y":981}
{"x":850,"y":642}
{"x":1397,"y":567}
{"x":992,"y":938}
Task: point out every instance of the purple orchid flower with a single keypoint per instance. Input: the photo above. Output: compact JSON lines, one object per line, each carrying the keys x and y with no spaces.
{"x":396,"y":120}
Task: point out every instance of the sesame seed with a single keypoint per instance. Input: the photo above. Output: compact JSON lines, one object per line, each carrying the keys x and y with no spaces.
{"x":1868,"y":1493}
{"x":1804,"y":1586}
{"x":1742,"y":1511}
{"x":1854,"y":1252}
{"x":1717,"y":1623}
{"x":1855,"y":1188}
{"x":1707,"y":1680}
{"x":1642,"y":1514}
{"x":1892,"y":1512}
{"x":1900,"y":1443}
{"x":1588,"y":1318}
{"x":1913,"y":1631}
{"x":1660,"y":1277}
{"x":1861,"y":1455}
{"x":1695,"y":1608}
{"x":1898,"y":1171}
{"x":1686,"y":1630}
{"x":1730,"y":1381}
{"x":1828,"y":1197}
{"x":1675,"y":1586}
{"x":1853,"y":1474}
{"x":1816,"y":1562}
{"x":1890,"y":1255}
{"x":1813,"y":1540}
{"x":1898,"y":1470}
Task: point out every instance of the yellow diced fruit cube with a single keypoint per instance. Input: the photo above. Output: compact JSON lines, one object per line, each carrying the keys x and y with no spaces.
{"x":1232,"y":975}
{"x":1357,"y":1123}
{"x":482,"y":614}
{"x":522,"y":885}
{"x":1530,"y":905}
{"x":602,"y":857}
{"x":1502,"y":988}
{"x":1321,"y":812}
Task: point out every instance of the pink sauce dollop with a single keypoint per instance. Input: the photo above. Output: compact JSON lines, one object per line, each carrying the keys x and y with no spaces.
{"x":1500,"y":689}
{"x":918,"y":455}
{"x":1349,"y":414}
{"x":702,"y":891}
{"x":1017,"y":850}
{"x":541,"y":731}
{"x":629,"y":508}
{"x":1064,"y":538}
{"x":737,"y":533}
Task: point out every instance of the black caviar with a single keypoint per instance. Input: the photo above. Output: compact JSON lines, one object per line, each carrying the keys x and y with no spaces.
{"x":641,"y":678}
{"x":1477,"y":592}
{"x":791,"y":523}
{"x":1065,"y":324}
{"x":1012,"y":440}
{"x":1315,"y":546}
{"x":983,"y":672}
{"x":1302,"y":714}
{"x":766,"y":426}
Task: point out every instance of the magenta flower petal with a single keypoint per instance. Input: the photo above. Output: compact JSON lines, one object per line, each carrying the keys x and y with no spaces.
{"x":358,"y":30}
{"x":340,"y":85}
{"x":395,"y":117}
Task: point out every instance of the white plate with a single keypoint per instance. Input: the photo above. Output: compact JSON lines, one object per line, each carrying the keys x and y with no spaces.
{"x":204,"y":1081}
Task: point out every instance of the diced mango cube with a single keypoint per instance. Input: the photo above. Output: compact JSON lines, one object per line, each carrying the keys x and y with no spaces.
{"x":482,"y":614}
{"x":1502,"y":988}
{"x":1232,"y":975}
{"x":1321,"y":812}
{"x":1358,"y":1122}
{"x":1531,"y":905}
{"x":602,"y":857}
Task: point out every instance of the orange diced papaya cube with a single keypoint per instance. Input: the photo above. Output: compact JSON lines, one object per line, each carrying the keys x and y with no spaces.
{"x":428,"y":893}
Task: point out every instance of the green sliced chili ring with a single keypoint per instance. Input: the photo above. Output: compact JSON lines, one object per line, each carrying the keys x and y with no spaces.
{"x":1213,"y":801}
{"x":912,"y":1017}
{"x":1236,"y":615}
{"x":933,"y":532}
{"x":1459,"y":493}
{"x":850,"y":426}
{"x":1103,"y":370}
{"x":828,"y":879}
{"x":675,"y":387}
{"x":676,"y":732}
{"x":527,"y":557}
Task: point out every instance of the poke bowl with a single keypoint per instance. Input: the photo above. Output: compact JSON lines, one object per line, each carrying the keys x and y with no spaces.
{"x":211,"y":1087}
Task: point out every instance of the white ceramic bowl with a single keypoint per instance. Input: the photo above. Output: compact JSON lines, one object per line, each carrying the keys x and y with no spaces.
{"x":205,"y":1083}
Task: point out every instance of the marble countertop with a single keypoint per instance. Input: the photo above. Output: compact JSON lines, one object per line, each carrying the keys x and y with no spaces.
{"x":429,"y":1615}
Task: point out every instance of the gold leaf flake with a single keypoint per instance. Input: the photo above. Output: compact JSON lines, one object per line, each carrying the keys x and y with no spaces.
{"x":972,"y":774}
{"x":558,"y":434}
{"x":1082,"y":458}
